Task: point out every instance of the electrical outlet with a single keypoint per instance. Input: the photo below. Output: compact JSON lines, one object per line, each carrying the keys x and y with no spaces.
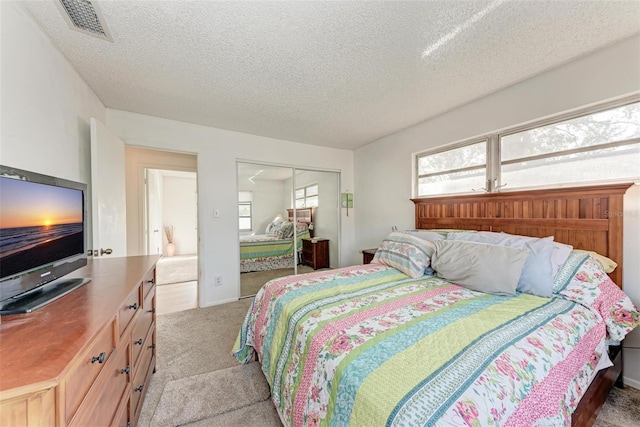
{"x":217,"y":281}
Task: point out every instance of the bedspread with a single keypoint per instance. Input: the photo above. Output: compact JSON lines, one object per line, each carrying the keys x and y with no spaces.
{"x":259,"y":253}
{"x":366,"y":345}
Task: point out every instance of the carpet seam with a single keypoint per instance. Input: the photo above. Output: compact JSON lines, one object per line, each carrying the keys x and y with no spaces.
{"x":223,"y":413}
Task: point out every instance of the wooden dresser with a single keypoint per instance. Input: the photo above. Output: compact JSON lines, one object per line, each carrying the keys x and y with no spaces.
{"x":87,"y":358}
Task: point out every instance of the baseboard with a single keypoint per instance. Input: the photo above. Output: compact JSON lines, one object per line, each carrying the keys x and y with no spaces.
{"x":632,"y":383}
{"x":224,"y":301}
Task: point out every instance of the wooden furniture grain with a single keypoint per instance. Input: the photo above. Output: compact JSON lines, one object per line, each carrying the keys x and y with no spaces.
{"x":588,"y":218}
{"x":315,"y":253}
{"x":367,"y":255}
{"x":306,"y":215}
{"x":85,"y":359}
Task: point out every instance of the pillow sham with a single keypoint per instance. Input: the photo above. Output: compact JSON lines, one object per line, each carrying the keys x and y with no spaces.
{"x":480,"y":267}
{"x":583,"y":280}
{"x":536,"y":278}
{"x":559,"y":255}
{"x":428,"y":235}
{"x":608,"y":265}
{"x":406,"y":253}
{"x":285,"y":230}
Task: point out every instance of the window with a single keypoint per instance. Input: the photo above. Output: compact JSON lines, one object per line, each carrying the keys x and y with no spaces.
{"x":592,"y":147}
{"x":307,"y":197}
{"x":455,"y":170}
{"x":244,"y":210}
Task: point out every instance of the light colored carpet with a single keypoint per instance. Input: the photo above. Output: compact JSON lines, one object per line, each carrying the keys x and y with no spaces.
{"x":199,"y":383}
{"x":224,"y":391}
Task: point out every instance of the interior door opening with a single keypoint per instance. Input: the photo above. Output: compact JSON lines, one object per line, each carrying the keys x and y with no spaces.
{"x":171,"y":230}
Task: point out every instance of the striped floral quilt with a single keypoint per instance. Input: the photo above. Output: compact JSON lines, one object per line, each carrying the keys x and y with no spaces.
{"x":260,"y":253}
{"x":369,"y":346}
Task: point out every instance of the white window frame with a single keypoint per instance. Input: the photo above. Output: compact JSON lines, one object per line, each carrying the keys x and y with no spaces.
{"x":493,"y":158}
{"x":305,"y":197}
{"x":250,"y":216}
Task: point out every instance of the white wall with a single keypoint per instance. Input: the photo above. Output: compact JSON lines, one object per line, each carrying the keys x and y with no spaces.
{"x":383,"y":169}
{"x":179,"y":204}
{"x":217,"y":151}
{"x":326,"y":220}
{"x":46,"y":106}
{"x":266,"y":202}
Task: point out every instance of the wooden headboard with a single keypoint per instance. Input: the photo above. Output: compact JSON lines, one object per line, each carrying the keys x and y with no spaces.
{"x":302,"y":215}
{"x":588,"y":218}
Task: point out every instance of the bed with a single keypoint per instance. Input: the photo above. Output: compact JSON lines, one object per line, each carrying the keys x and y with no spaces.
{"x":280,"y":247}
{"x":372,"y":345}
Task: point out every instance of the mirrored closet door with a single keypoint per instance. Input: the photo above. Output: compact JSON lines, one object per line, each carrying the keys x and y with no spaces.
{"x":288,"y":222}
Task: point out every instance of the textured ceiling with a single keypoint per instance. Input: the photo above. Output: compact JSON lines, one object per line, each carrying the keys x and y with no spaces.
{"x":333,"y":73}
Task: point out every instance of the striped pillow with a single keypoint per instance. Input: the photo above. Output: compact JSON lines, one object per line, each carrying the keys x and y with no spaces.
{"x":404,"y":252}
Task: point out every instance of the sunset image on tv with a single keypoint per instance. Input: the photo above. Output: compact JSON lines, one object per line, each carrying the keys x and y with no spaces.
{"x":38,"y":224}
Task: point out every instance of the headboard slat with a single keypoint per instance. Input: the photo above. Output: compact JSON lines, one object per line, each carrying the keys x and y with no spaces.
{"x":588,"y":218}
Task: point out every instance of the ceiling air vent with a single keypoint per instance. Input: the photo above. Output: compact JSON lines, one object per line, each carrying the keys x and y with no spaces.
{"x":85,"y":16}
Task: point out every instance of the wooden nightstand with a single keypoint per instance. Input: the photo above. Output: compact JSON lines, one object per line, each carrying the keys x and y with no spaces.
{"x":367,"y":255}
{"x":315,"y":253}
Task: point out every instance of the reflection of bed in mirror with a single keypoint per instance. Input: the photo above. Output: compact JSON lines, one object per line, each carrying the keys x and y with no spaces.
{"x":279,"y":246}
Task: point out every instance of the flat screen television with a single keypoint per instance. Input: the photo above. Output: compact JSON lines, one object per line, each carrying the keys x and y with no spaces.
{"x":42,"y":238}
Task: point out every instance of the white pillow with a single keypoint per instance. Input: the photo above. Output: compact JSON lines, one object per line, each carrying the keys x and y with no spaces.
{"x":536,"y":278}
{"x":480,"y":267}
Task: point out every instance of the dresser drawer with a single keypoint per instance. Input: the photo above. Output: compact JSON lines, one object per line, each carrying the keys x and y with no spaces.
{"x":82,"y":376}
{"x":128,"y":309}
{"x":102,"y":402}
{"x":141,"y":328}
{"x":142,"y":374}
{"x":148,"y":282}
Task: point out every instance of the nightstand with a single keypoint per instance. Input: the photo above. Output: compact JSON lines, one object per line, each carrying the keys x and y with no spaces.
{"x":315,"y":253}
{"x":367,"y":255}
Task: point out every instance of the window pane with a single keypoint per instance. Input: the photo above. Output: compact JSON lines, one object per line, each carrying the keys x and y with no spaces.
{"x":469,"y":155}
{"x":244,"y":209}
{"x":312,"y":202}
{"x":312,"y":190}
{"x":300,"y":203}
{"x":245,"y":223}
{"x":598,"y":165}
{"x":613,"y":125}
{"x":299,"y":193}
{"x":457,"y":182}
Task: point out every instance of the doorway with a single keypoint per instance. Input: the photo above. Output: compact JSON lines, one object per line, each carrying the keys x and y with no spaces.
{"x":171,"y":229}
{"x":269,"y":197}
{"x":162,"y":192}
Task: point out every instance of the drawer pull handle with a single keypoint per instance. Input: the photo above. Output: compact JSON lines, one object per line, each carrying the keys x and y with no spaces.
{"x":139,"y":388}
{"x":125,"y":370}
{"x":153,"y":310}
{"x":152,"y":281}
{"x":99,"y":359}
{"x":152,"y":346}
{"x":138,"y":342}
{"x":134,"y":306}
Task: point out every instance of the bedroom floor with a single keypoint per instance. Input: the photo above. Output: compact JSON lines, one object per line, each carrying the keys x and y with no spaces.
{"x":174,"y":297}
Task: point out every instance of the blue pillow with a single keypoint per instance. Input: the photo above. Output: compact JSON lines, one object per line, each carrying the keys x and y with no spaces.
{"x":537,"y":275}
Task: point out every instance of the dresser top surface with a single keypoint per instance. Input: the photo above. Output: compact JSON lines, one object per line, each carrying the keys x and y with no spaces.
{"x":39,"y":346}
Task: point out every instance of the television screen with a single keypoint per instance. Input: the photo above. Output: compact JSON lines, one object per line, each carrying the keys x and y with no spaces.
{"x":38,"y":224}
{"x":42,"y":230}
